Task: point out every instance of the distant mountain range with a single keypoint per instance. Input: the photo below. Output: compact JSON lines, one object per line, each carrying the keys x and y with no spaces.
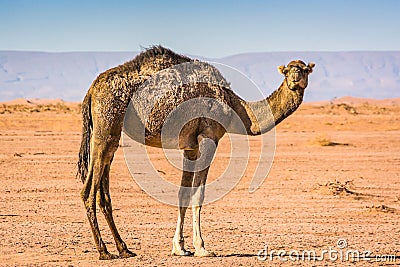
{"x":69,"y":75}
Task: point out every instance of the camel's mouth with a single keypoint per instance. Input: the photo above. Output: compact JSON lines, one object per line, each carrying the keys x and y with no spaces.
{"x":295,"y":83}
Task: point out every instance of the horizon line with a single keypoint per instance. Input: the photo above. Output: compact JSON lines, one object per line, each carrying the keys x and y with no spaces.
{"x":189,"y":54}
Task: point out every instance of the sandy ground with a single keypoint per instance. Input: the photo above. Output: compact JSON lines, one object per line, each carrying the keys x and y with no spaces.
{"x":335,"y":176}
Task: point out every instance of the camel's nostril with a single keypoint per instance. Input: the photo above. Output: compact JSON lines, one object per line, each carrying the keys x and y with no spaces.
{"x":296,"y":77}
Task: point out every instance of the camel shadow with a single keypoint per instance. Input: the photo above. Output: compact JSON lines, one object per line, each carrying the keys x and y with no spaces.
{"x":239,"y":255}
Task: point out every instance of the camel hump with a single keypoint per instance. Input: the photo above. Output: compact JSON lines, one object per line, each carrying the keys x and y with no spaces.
{"x":168,"y":88}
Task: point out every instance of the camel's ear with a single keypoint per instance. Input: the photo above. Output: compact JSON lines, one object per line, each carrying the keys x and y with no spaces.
{"x":282,"y":70}
{"x":310,"y":67}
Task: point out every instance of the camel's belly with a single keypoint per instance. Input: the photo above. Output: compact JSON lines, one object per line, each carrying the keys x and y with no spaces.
{"x":177,"y":138}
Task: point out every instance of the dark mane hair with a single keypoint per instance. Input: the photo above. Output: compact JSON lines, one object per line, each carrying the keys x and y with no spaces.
{"x":152,"y":52}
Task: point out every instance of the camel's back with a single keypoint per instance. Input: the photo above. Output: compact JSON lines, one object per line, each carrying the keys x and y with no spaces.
{"x":132,"y":73}
{"x":112,"y":90}
{"x":156,"y":82}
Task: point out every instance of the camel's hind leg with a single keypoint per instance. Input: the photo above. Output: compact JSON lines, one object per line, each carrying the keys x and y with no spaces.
{"x":104,"y":198}
{"x":99,"y":159}
{"x":178,"y":243}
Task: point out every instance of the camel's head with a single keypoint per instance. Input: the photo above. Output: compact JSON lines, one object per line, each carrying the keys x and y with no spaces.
{"x":296,"y":74}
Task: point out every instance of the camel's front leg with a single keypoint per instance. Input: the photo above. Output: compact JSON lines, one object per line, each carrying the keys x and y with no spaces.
{"x":197,"y":201}
{"x":178,"y":242}
{"x":206,"y":154}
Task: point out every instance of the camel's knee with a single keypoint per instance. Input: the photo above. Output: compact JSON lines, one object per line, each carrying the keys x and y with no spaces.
{"x":185,"y":191}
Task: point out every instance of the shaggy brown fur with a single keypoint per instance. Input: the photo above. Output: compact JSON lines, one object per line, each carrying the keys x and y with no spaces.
{"x":104,"y":108}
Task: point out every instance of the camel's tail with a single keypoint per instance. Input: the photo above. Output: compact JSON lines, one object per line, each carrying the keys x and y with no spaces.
{"x":84,"y":152}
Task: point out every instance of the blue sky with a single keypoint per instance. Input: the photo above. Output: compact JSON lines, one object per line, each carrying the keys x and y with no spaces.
{"x":207,"y":28}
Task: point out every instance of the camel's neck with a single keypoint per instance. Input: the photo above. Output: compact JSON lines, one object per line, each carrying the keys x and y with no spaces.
{"x":269,"y":112}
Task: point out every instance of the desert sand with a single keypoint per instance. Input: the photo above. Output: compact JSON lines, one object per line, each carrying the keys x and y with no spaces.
{"x":335,"y":177}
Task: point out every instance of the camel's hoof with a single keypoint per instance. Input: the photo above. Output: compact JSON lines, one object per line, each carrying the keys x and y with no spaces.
{"x":127,"y":254}
{"x":181,"y":252}
{"x":107,"y":256}
{"x":204,"y":253}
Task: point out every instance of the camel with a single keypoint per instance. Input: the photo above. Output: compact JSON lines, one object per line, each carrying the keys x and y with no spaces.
{"x":103,"y":111}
